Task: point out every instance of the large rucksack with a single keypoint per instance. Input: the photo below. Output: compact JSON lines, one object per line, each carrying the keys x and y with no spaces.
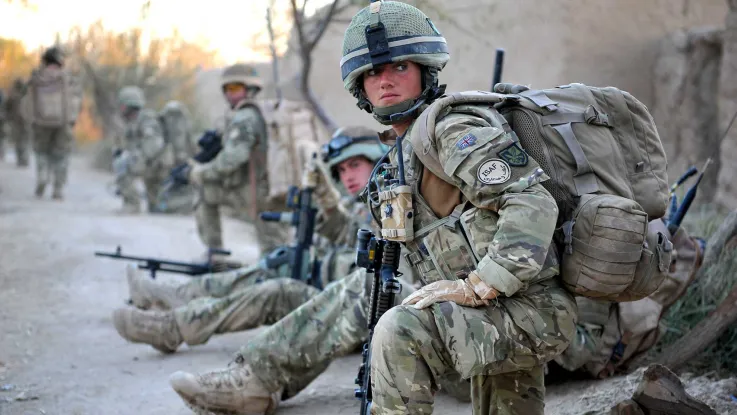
{"x":294,"y":134}
{"x":607,"y":173}
{"x":55,"y":99}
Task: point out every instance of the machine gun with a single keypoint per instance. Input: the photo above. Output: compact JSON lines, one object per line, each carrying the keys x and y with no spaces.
{"x":210,"y":145}
{"x":300,"y":256}
{"x":177,"y":267}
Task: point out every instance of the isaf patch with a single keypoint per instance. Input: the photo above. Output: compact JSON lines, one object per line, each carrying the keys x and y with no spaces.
{"x":514,"y":155}
{"x":467,"y":141}
{"x":494,"y":171}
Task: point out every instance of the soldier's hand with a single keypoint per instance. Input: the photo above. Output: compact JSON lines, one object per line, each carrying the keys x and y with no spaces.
{"x":461,"y":292}
{"x":326,"y":195}
{"x":195,"y":172}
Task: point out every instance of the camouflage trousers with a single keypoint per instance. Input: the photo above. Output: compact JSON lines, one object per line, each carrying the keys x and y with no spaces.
{"x":20,"y":134}
{"x":152,"y":179}
{"x":52,"y":146}
{"x":217,"y":285}
{"x":502,"y":348}
{"x":212,"y":197}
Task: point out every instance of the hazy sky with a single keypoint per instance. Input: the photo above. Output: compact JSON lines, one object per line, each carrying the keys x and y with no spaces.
{"x":225,"y":25}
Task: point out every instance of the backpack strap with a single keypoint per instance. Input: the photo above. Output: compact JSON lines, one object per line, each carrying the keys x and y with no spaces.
{"x":560,"y":120}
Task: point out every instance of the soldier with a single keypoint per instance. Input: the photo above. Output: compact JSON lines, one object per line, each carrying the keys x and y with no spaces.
{"x":140,"y":152}
{"x":55,"y":100}
{"x":18,"y":127}
{"x":492,"y":309}
{"x":238,"y":300}
{"x":176,"y":123}
{"x":238,"y":175}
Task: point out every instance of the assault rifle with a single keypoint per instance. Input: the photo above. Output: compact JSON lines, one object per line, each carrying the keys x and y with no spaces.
{"x":177,"y":267}
{"x":380,"y":257}
{"x":300,"y":257}
{"x":210,"y":145}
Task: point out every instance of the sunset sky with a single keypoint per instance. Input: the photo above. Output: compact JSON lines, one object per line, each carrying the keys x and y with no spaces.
{"x":224,"y":25}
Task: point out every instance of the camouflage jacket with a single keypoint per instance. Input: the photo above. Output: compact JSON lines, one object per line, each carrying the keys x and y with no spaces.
{"x":501,"y":227}
{"x":144,"y":141}
{"x":244,"y":143}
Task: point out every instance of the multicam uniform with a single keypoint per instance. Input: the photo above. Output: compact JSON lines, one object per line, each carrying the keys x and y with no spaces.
{"x":482,"y":242}
{"x":142,"y":152}
{"x":238,"y":175}
{"x":236,"y":300}
{"x":176,"y":123}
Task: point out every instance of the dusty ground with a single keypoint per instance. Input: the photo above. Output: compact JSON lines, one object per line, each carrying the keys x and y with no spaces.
{"x":59,"y":353}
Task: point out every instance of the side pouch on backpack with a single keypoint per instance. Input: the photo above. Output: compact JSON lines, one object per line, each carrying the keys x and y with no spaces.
{"x":607,"y":253}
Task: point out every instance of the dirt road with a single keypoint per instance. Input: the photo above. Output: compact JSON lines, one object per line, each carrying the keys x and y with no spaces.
{"x":59,"y":353}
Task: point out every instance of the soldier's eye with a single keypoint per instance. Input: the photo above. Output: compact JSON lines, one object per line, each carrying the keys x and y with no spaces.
{"x":401,"y":66}
{"x":371,"y":72}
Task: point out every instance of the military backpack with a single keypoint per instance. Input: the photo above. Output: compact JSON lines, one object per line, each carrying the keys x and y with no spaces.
{"x":607,"y":170}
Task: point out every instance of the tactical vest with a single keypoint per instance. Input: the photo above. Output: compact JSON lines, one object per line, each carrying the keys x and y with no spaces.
{"x":448,"y":246}
{"x":134,"y":136}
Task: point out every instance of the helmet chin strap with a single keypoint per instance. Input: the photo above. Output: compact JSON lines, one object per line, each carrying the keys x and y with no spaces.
{"x":404,"y":110}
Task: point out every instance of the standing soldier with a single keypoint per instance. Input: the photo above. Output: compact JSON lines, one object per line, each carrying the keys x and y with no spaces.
{"x":17,"y":122}
{"x":141,"y":152}
{"x":176,"y":124}
{"x":238,"y":175}
{"x":54,"y":101}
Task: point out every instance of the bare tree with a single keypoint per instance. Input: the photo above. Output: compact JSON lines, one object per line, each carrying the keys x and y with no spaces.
{"x":306,"y":42}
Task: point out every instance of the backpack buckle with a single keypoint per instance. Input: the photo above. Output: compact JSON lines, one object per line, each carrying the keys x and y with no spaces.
{"x":594,"y":117}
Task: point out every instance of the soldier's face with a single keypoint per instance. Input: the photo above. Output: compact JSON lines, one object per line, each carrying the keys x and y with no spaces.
{"x":392,"y":83}
{"x":354,"y":173}
{"x":235,"y":93}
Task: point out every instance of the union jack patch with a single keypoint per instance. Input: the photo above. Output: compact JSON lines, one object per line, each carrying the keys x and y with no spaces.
{"x":467,"y":141}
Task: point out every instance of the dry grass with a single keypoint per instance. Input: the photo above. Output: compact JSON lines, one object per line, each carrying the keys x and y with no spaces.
{"x":702,"y":297}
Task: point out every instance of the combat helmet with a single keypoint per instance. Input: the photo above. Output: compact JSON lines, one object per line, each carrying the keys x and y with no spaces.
{"x":391,"y":31}
{"x":132,"y":96}
{"x":350,"y":142}
{"x":53,"y":55}
{"x":241,"y":73}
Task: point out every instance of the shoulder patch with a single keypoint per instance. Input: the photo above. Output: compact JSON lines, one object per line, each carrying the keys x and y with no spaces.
{"x":514,"y":155}
{"x":494,"y":171}
{"x":466,"y":141}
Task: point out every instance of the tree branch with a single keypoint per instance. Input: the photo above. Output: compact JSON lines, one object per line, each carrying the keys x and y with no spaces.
{"x":324,"y":23}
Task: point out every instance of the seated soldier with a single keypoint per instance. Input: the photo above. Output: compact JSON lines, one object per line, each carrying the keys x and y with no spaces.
{"x":241,"y":299}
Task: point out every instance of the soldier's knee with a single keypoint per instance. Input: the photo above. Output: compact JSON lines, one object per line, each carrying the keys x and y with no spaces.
{"x":399,"y":324}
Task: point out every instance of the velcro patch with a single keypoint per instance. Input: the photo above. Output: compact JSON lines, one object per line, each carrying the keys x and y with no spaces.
{"x":494,"y":171}
{"x":467,"y":141}
{"x":514,"y":155}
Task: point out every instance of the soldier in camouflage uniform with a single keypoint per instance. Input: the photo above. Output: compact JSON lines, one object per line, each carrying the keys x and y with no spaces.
{"x":238,"y":175}
{"x":176,"y":123}
{"x":140,"y":152}
{"x":55,"y":99}
{"x":492,"y":308}
{"x":243,"y":299}
{"x":19,"y":130}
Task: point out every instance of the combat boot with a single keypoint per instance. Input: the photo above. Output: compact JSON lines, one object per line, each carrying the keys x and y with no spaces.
{"x":156,"y":328}
{"x":40,"y":187}
{"x":57,"y":194}
{"x":234,"y":390}
{"x":146,"y":293}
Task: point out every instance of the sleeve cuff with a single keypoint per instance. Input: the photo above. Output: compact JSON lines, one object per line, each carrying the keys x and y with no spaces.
{"x":498,"y":277}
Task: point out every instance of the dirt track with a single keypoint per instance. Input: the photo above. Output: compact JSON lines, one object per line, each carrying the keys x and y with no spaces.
{"x":59,"y":353}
